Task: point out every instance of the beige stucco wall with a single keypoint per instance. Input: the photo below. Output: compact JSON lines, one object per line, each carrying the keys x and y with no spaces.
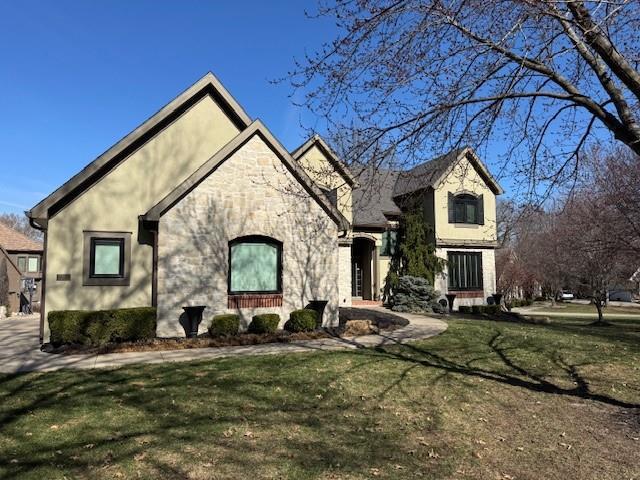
{"x":464,"y":177}
{"x":318,"y":167}
{"x":251,"y":193}
{"x":488,"y":275}
{"x":116,"y":201}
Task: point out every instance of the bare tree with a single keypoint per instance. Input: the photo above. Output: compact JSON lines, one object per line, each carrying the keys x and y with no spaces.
{"x":21,"y":224}
{"x":416,"y":77}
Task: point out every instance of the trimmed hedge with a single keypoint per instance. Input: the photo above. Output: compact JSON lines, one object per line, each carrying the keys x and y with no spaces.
{"x":480,"y":309}
{"x":224,"y":325}
{"x":304,"y":320}
{"x":265,"y":323}
{"x":102,"y":326}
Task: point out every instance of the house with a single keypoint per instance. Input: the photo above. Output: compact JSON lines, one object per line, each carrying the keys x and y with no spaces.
{"x":457,"y":196}
{"x":201,"y":205}
{"x":25,"y":267}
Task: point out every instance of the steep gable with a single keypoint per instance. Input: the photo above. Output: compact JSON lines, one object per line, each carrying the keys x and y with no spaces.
{"x":207,"y":88}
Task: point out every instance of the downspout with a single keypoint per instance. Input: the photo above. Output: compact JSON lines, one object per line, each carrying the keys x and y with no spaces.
{"x":43,"y":282}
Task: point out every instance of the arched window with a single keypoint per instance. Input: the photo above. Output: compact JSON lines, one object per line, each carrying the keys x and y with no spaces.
{"x":466,"y":208}
{"x":255,"y":265}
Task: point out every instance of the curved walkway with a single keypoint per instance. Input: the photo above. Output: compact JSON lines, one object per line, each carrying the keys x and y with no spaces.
{"x":20,"y":351}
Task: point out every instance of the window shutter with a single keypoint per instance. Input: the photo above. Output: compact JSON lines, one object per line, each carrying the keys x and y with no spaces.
{"x":481,"y":210}
{"x":451,"y":212}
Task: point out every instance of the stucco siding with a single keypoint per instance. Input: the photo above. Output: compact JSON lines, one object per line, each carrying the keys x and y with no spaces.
{"x":344,"y":275}
{"x":115,"y":202}
{"x":464,"y":178}
{"x":318,"y":167}
{"x":251,"y":193}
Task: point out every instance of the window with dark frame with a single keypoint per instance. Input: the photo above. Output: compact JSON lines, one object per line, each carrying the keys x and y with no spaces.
{"x":107,"y":258}
{"x":389,"y":243}
{"x":465,"y":270}
{"x":255,"y":266}
{"x":465,"y":209}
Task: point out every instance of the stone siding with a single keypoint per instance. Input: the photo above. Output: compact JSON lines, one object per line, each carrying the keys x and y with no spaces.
{"x":251,"y":193}
{"x":344,"y":275}
{"x":488,"y":275}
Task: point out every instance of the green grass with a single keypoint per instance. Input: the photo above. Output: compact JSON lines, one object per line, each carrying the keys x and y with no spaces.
{"x":484,"y":400}
{"x":569,"y":308}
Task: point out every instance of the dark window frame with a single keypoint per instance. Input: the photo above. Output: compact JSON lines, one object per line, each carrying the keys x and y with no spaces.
{"x":391,"y":249}
{"x":464,"y":271}
{"x":91,"y":238}
{"x":256,"y":239}
{"x":466,"y":200}
{"x":96,"y":241}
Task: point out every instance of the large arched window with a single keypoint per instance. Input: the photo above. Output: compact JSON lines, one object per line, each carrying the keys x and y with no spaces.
{"x":255,"y":265}
{"x":466,"y":208}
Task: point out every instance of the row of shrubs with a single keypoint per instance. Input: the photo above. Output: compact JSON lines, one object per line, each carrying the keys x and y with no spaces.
{"x":480,"y":309}
{"x":102,"y":326}
{"x":304,"y":320}
{"x":524,"y":302}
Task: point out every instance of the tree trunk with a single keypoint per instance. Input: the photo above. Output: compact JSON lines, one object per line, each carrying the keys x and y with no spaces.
{"x":597,"y":300}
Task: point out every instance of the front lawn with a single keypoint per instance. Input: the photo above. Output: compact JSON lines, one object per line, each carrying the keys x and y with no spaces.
{"x":570,"y":308}
{"x":484,"y":400}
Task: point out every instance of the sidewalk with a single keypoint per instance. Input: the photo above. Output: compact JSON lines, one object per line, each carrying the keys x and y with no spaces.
{"x":20,"y":351}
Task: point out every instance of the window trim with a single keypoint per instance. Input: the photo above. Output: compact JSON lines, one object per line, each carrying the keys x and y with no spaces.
{"x":89,"y":279}
{"x":256,"y":239}
{"x":452,"y":288}
{"x":466,"y":199}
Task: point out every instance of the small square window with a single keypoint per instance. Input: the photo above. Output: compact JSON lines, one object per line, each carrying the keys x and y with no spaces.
{"x":106,"y":258}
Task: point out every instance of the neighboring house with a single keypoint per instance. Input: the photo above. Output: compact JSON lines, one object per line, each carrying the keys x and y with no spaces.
{"x":200,"y":205}
{"x":457,"y":196}
{"x":13,"y":278}
{"x":26,"y":255}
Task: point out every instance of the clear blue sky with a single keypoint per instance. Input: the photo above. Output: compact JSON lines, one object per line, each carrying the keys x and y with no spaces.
{"x":76,"y":76}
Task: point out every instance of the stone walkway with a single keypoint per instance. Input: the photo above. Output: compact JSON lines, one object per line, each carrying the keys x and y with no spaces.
{"x":20,"y":351}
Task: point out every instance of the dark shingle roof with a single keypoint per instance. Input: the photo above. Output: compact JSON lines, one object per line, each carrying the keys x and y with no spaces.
{"x":374,"y":198}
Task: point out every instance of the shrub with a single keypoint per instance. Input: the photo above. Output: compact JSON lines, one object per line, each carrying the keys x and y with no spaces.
{"x":491,"y":309}
{"x":305,"y":320}
{"x":265,"y":323}
{"x":224,"y":325}
{"x":102,"y":326}
{"x":477,"y":309}
{"x":464,"y":309}
{"x":414,"y":294}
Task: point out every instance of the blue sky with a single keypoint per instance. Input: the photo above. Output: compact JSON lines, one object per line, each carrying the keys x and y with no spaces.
{"x":76,"y":77}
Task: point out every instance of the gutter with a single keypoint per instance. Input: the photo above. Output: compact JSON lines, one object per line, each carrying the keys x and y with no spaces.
{"x":43,"y":281}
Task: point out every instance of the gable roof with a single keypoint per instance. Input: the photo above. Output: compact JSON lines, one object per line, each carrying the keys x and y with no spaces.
{"x":374,"y":200}
{"x":12,"y":240}
{"x":334,"y":160}
{"x":207,"y":85}
{"x":431,"y":173}
{"x":255,"y":128}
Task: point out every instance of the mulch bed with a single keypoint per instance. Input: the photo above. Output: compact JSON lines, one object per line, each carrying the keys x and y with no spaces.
{"x":203,"y":341}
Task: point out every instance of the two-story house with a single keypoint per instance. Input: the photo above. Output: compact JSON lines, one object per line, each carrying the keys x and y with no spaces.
{"x":457,"y":196}
{"x":201,"y":205}
{"x":25,"y":267}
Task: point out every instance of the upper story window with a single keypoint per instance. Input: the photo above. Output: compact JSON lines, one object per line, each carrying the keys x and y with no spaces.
{"x":255,"y":265}
{"x":106,"y":258}
{"x":466,"y":208}
{"x":29,"y":264}
{"x":389,"y":243}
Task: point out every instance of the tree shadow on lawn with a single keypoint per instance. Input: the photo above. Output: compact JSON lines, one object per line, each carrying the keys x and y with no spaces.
{"x":515,"y":374}
{"x":620,"y":330}
{"x":181,"y":420}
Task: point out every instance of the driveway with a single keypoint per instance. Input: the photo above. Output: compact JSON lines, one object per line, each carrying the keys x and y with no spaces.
{"x":20,"y":349}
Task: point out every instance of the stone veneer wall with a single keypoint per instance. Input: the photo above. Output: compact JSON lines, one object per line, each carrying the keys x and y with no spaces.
{"x":344,"y":276}
{"x":251,"y":193}
{"x":488,"y":275}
